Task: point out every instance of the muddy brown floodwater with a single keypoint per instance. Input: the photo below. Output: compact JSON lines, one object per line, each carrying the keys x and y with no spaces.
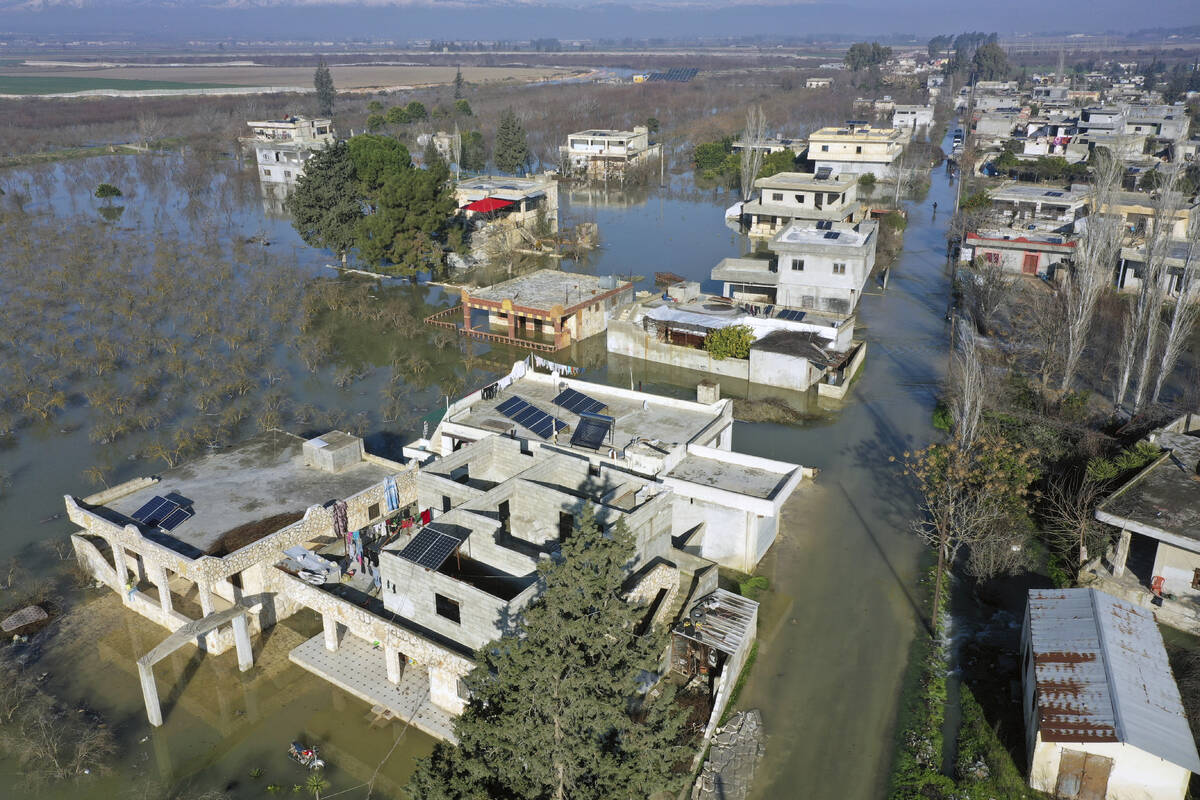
{"x":835,"y":627}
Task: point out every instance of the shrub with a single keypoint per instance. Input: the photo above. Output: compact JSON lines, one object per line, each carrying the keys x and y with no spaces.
{"x":866,"y":180}
{"x":463,"y":107}
{"x":732,"y":341}
{"x":376,"y":121}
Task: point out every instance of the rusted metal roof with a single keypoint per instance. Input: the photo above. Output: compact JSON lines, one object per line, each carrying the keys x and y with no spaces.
{"x":1102,"y":675}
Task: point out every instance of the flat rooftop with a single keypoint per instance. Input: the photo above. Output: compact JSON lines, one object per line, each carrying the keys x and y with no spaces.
{"x":1167,"y":495}
{"x":841,"y":236}
{"x":611,"y":134}
{"x":739,"y":478}
{"x":1030,"y":193}
{"x":547,"y":288}
{"x":657,"y":418}
{"x":263,"y":477}
{"x":805,"y":181}
{"x":505,"y":188}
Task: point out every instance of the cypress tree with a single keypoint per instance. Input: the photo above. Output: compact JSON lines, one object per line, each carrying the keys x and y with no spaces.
{"x":511,"y":151}
{"x":326,"y":93}
{"x":559,"y":706}
{"x":458,"y":84}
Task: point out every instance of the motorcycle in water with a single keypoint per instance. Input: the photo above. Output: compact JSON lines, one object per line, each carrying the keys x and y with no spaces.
{"x":305,"y":756}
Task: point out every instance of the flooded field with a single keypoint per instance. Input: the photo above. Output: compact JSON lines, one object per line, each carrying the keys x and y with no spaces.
{"x":835,"y":627}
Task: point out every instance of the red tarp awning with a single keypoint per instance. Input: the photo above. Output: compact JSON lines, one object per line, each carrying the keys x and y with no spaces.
{"x":487,"y":204}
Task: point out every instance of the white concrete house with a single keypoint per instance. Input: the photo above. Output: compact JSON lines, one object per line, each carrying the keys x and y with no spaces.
{"x":786,"y":197}
{"x":912,"y":118}
{"x":816,"y":265}
{"x":1104,"y":719}
{"x":600,"y":154}
{"x":856,"y":149}
{"x":281,"y":146}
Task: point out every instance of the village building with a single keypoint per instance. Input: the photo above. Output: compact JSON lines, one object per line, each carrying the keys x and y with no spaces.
{"x":493,"y":200}
{"x":1156,"y":559}
{"x":604,"y":154}
{"x":791,"y":349}
{"x":817,"y":83}
{"x":856,"y":149}
{"x":281,"y":146}
{"x":545,"y":310}
{"x":768,"y":145}
{"x":1103,"y":716}
{"x":912,"y":118}
{"x":1137,"y":209}
{"x":811,"y":265}
{"x":786,"y":197}
{"x":1039,"y":207}
{"x":1019,"y":251}
{"x":1181,"y":259}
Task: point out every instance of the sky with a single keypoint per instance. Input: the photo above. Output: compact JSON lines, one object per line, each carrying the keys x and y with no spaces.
{"x":402,"y":20}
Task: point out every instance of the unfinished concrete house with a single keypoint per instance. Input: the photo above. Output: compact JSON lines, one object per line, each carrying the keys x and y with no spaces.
{"x":607,"y":154}
{"x":786,"y":197}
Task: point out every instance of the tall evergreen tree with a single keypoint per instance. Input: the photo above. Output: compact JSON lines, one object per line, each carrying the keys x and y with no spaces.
{"x":323,"y":83}
{"x":325,"y":205}
{"x":511,"y":151}
{"x":458,"y":84}
{"x":558,"y":706}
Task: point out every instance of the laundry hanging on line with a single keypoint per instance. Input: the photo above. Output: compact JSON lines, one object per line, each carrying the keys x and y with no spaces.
{"x":391,"y":493}
{"x":558,"y":369}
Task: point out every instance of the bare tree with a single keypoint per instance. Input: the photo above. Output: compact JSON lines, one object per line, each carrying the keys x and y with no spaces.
{"x":967,"y":387}
{"x":1069,"y":511}
{"x":1185,"y":312}
{"x":988,"y":288}
{"x":1096,"y":253}
{"x":752,"y":144}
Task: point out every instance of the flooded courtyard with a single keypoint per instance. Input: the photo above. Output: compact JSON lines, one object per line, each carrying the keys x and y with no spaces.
{"x":835,"y":626}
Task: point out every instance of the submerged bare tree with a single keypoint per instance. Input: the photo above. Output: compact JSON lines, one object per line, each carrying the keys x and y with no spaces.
{"x":967,"y":389}
{"x":1185,"y":312}
{"x":752,"y":154}
{"x":1096,"y":253}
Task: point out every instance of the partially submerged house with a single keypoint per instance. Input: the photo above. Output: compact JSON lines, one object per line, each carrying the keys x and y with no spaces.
{"x":527,"y":202}
{"x":545,"y":310}
{"x":785,"y":197}
{"x":812,"y":265}
{"x":1019,"y":251}
{"x":856,"y":149}
{"x":603,"y":154}
{"x":282,"y":146}
{"x":1103,"y":716}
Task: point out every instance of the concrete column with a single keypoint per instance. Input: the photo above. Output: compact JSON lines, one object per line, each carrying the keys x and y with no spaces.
{"x":331,"y":633}
{"x":121,"y":563}
{"x":162,"y":578}
{"x":241,"y":640}
{"x":394,"y":671}
{"x":1122,"y":554}
{"x":466,"y":317}
{"x":206,"y":601}
{"x":150,"y":694}
{"x":512,"y":325}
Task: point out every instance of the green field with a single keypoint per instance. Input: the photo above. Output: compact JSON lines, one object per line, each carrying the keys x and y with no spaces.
{"x":39,"y":84}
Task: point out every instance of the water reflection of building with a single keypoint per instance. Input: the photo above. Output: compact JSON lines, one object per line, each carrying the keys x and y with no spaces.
{"x":274,"y":196}
{"x":603,"y":195}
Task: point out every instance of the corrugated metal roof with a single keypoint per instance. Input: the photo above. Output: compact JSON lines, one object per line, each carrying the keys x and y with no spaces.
{"x":720,"y":619}
{"x":1102,"y":675}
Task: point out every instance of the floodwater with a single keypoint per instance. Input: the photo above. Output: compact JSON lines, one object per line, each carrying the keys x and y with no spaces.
{"x":834,"y":628}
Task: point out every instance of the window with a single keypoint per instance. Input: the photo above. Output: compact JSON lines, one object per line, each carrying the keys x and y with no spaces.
{"x":800,"y":199}
{"x":824,"y":148}
{"x":266,"y":172}
{"x":447,"y":608}
{"x":1196,"y":579}
{"x":445,"y":504}
{"x":798,"y":265}
{"x":992,"y":258}
{"x":777,"y":196}
{"x":858,"y":150}
{"x":504,"y":515}
{"x":594,"y":470}
{"x":839,"y":269}
{"x":287,"y":173}
{"x":566,"y":525}
{"x":373,"y":511}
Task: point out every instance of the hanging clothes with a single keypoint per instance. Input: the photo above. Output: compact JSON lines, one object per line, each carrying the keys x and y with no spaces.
{"x":339,"y":522}
{"x":391,"y":493}
{"x":426,"y":516}
{"x":504,"y":382}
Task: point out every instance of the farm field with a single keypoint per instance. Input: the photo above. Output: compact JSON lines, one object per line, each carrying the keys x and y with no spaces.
{"x":43,"y":80}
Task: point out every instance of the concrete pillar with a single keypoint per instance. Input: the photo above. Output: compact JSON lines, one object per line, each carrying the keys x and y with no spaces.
{"x":512,"y":325}
{"x":1122,"y":554}
{"x":241,"y":640}
{"x":206,"y":601}
{"x":466,"y":316}
{"x":394,"y":670}
{"x":121,"y":563}
{"x":150,"y":694}
{"x":162,"y":578}
{"x":331,"y":633}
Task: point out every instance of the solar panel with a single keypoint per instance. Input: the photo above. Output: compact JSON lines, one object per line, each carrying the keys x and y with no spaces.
{"x":824,"y":224}
{"x":823,"y":173}
{"x":430,"y":547}
{"x":530,"y":416}
{"x":578,"y":402}
{"x":162,"y":513}
{"x":592,"y":430}
{"x":832,"y":235}
{"x":791,"y":315}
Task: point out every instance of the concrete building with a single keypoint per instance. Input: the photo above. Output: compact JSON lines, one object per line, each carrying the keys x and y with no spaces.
{"x":1156,"y":560}
{"x":723,"y":506}
{"x":545,"y":310}
{"x":817,"y":83}
{"x":815,"y":265}
{"x":912,"y":118}
{"x":856,"y":149}
{"x":791,"y":349}
{"x":786,"y":197}
{"x":502,"y":201}
{"x":281,"y":146}
{"x":1181,"y":258}
{"x":769,"y":145}
{"x":1019,"y":251}
{"x":1103,"y":716}
{"x":1138,"y":211}
{"x":604,"y":154}
{"x":1038,"y":207}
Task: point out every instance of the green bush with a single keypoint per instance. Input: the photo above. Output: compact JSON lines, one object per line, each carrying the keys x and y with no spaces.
{"x":732,"y":341}
{"x":752,"y":586}
{"x":711,"y":155}
{"x":866,"y":180}
{"x":943,"y":418}
{"x":376,"y":121}
{"x":463,"y":107}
